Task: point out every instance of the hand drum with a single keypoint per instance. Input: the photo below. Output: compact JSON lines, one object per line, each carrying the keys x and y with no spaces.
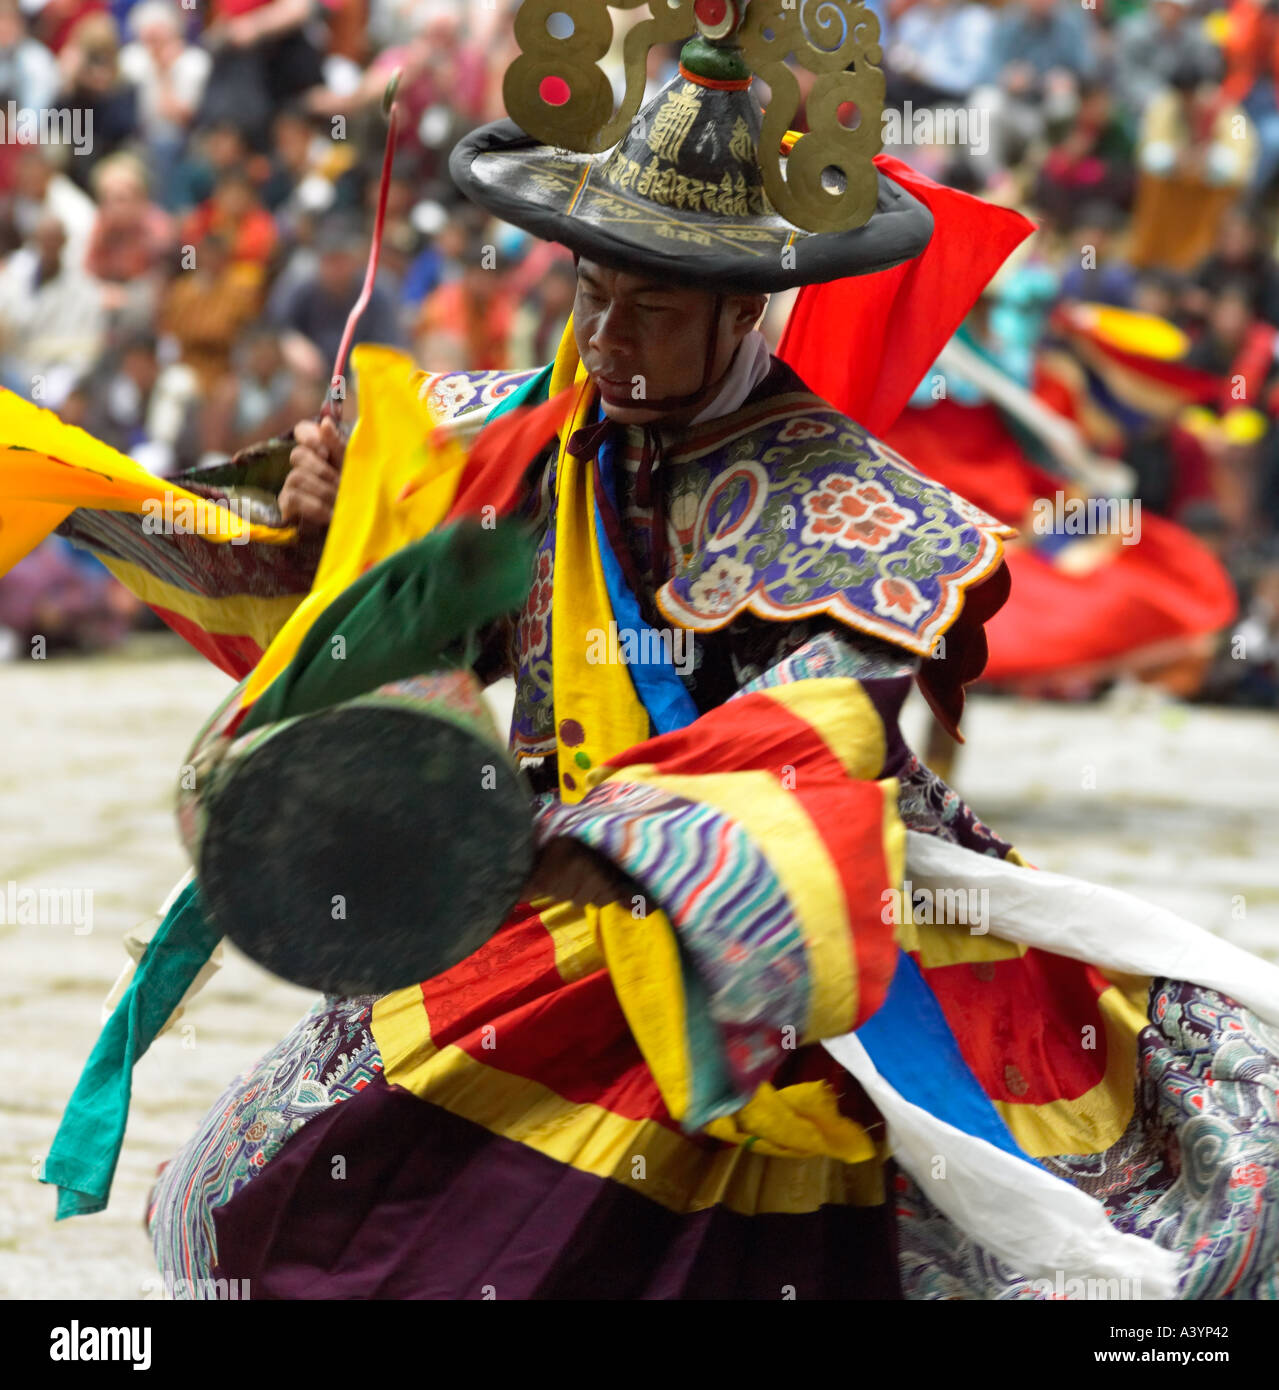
{"x":371,"y":845}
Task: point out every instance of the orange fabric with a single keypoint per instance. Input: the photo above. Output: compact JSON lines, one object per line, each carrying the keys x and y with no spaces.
{"x":1175,"y":220}
{"x":251,"y":239}
{"x":1251,"y":48}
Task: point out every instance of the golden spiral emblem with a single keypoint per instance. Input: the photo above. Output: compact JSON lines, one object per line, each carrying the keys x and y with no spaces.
{"x":829,"y":183}
{"x":556,"y":90}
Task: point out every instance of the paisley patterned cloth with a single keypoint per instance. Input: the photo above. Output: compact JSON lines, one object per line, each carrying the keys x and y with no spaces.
{"x":1197,"y":1170}
{"x":327,"y":1058}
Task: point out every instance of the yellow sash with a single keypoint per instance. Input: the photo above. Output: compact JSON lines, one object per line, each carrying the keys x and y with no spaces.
{"x":597,"y":712}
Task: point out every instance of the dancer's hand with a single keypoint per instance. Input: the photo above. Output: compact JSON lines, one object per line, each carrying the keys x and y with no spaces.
{"x":569,"y":872}
{"x":315,"y":465}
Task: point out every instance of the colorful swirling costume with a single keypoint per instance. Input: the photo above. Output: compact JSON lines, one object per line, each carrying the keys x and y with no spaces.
{"x":839,"y":1040}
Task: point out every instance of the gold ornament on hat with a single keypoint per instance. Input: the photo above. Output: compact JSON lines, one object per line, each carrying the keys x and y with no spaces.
{"x":585,"y":121}
{"x":557,"y":92}
{"x":829,"y":183}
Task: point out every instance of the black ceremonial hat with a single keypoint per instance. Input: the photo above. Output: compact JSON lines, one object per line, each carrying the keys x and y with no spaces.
{"x":701,"y":186}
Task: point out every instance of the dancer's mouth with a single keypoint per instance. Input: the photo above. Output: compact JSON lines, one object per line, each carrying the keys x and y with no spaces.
{"x":616,"y":392}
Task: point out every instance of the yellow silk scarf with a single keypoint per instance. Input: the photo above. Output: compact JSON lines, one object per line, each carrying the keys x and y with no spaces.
{"x":597,"y":712}
{"x":398,"y":481}
{"x":48,"y":469}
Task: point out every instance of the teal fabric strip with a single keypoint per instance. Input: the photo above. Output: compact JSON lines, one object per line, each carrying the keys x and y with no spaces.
{"x":86,"y":1148}
{"x":532,"y":392}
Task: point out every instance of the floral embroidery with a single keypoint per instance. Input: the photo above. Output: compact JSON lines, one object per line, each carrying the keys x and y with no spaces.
{"x":803,"y":427}
{"x":534,"y":630}
{"x":897,"y":597}
{"x":853,"y":514}
{"x":722,"y":585}
{"x":828,"y":522}
{"x":450,"y":394}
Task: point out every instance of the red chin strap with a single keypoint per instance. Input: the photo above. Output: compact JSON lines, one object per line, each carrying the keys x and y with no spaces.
{"x":668,"y":404}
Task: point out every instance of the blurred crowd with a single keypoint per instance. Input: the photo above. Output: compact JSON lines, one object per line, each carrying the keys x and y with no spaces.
{"x":178,"y":285}
{"x":1142,"y":137}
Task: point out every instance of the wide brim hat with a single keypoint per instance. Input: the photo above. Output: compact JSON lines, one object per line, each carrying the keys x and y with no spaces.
{"x":705,"y":188}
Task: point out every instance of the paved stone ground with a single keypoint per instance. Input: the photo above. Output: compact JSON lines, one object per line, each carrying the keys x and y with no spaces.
{"x":1177,"y":805}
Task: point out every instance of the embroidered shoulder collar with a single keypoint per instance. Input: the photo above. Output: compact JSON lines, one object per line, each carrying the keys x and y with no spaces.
{"x":801,"y":512}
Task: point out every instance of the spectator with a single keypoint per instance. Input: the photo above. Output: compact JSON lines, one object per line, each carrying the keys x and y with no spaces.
{"x":1090,"y":162}
{"x":72,"y":605}
{"x":1235,"y":345}
{"x":261,"y":397}
{"x":939,"y":52}
{"x":142,"y":409}
{"x":1158,"y":292}
{"x":51,"y":318}
{"x":93,"y":82}
{"x":540,"y":320}
{"x":1150,"y":45}
{"x":1100,"y":277}
{"x":1252,"y":67}
{"x":28,"y":71}
{"x":441,"y":92}
{"x":205,"y":307}
{"x":314,"y":314}
{"x":467,"y":321}
{"x":133,"y":241}
{"x":235,"y":212}
{"x":55,"y":19}
{"x":169,"y":75}
{"x":211,"y":152}
{"x":304,"y":169}
{"x":1194,"y":158}
{"x":446,"y":239}
{"x":263,"y":57}
{"x":1237,"y":256}
{"x":40,"y":186}
{"x":1040,"y":53}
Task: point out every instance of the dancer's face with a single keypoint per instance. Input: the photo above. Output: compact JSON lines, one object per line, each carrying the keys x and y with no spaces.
{"x":642,"y":339}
